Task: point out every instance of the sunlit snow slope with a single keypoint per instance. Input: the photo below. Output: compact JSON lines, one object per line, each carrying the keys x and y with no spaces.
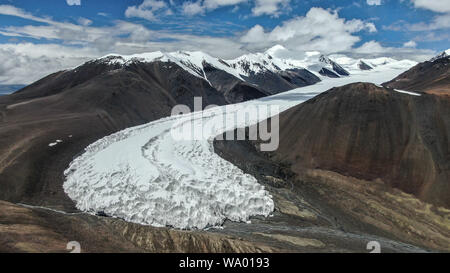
{"x":143,"y":175}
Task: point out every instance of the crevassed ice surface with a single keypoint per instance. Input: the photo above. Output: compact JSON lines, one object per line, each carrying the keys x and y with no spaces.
{"x":143,"y":175}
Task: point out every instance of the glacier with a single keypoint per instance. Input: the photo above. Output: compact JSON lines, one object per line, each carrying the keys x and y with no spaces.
{"x":143,"y":175}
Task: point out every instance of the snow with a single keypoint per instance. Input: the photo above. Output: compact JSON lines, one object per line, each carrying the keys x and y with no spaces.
{"x":274,"y":59}
{"x":407,"y":92}
{"x":144,"y":175}
{"x":55,"y":143}
{"x":189,"y":61}
{"x":444,"y":54}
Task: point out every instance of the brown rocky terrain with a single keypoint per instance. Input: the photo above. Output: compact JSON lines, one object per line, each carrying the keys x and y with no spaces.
{"x":431,"y":77}
{"x":368,"y":132}
{"x":356,"y":164}
{"x":78,"y":107}
{"x":366,"y":158}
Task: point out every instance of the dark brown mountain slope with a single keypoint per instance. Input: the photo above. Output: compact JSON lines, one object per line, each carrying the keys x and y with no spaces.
{"x":367,"y":132}
{"x":429,"y":77}
{"x":79,"y":107}
{"x":367,"y":159}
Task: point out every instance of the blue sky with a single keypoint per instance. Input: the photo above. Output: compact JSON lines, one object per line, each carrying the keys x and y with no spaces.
{"x":38,"y":37}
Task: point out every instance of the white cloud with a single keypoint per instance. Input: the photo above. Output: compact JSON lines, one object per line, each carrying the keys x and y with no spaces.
{"x":214,"y":4}
{"x":26,"y":63}
{"x":375,"y":49}
{"x":439,"y":22}
{"x":260,"y":7}
{"x":373,"y":2}
{"x":73,"y":2}
{"x":441,"y":6}
{"x":13,"y":11}
{"x":64,"y":45}
{"x":146,"y":10}
{"x":410,"y":44}
{"x":270,"y":7}
{"x":193,"y":8}
{"x":84,"y":21}
{"x":319,"y":29}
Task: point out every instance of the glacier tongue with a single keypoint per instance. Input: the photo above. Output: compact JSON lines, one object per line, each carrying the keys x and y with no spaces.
{"x":143,"y":175}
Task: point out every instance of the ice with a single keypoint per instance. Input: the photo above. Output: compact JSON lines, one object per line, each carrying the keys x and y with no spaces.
{"x":143,"y":175}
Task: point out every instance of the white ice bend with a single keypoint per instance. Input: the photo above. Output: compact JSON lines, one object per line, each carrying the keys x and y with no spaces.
{"x":141,"y":174}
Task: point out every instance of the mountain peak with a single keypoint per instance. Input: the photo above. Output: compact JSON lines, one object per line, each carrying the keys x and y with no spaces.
{"x":274,"y":49}
{"x":443,"y":54}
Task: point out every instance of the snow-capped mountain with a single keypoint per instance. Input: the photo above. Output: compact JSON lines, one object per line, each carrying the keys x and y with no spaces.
{"x":331,"y":67}
{"x":442,"y":55}
{"x":270,"y":72}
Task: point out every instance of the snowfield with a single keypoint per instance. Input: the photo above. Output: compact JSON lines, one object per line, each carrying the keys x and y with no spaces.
{"x":143,"y":175}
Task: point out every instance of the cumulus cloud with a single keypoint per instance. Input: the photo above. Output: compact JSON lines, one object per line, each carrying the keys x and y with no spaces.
{"x":214,"y":4}
{"x":26,"y":62}
{"x":260,"y":7}
{"x":270,"y":7}
{"x":411,"y":44}
{"x":147,"y":9}
{"x":442,"y":6}
{"x":201,"y":7}
{"x":319,"y":29}
{"x":440,"y":21}
{"x":193,"y":8}
{"x":73,"y":2}
{"x":65,"y":45}
{"x":375,"y":49}
{"x":373,"y":2}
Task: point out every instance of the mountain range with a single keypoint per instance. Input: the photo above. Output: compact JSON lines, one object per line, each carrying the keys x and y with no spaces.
{"x":355,"y":162}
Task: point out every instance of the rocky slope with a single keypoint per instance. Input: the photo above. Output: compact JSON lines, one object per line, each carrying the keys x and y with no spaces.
{"x":44,"y":125}
{"x":373,"y":159}
{"x":369,"y":132}
{"x":431,"y":77}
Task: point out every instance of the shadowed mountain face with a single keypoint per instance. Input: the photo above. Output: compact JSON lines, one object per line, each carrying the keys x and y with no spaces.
{"x":276,"y":82}
{"x":232,"y":88}
{"x":335,"y":70}
{"x":363,"y":66}
{"x":367,"y":132}
{"x":368,"y":159}
{"x":78,"y":107}
{"x":431,"y":77}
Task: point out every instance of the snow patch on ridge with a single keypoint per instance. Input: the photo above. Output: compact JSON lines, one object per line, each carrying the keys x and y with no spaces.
{"x":189,"y":61}
{"x":407,"y":92}
{"x":274,"y":60}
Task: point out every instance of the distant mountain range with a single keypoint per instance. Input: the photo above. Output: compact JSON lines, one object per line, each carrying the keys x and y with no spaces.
{"x":257,"y":74}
